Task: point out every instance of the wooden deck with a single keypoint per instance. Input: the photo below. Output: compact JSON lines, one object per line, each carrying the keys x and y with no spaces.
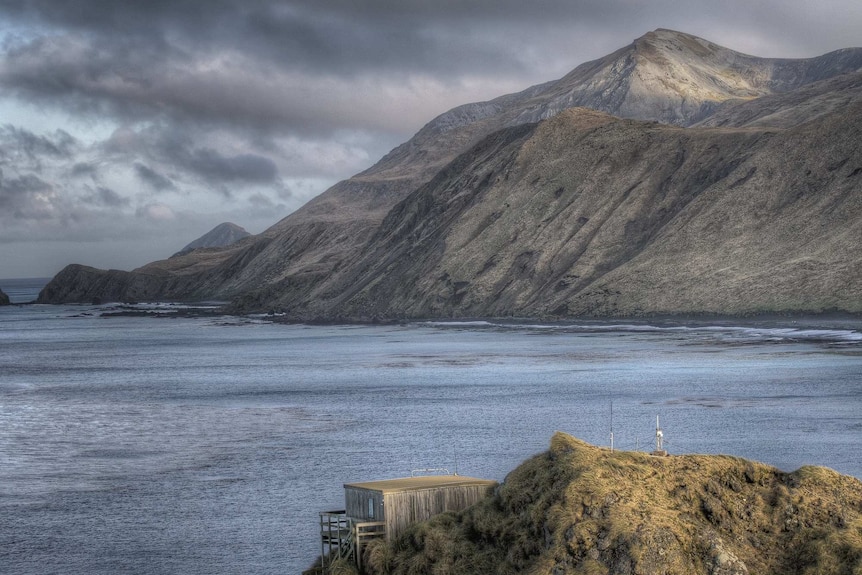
{"x":342,"y":537}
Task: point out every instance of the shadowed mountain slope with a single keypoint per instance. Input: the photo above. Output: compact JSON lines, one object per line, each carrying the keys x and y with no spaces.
{"x":306,"y":264}
{"x":590,"y":215}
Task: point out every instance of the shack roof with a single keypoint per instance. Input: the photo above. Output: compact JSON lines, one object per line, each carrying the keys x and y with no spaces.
{"x":417,"y":483}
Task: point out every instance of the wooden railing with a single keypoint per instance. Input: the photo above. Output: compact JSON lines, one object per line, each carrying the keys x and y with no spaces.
{"x":342,"y":537}
{"x":336,"y":535}
{"x":364,"y":532}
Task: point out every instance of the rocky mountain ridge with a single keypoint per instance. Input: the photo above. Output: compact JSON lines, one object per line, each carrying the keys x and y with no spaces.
{"x":306,"y":265}
{"x":589,"y":215}
{"x":583,"y":509}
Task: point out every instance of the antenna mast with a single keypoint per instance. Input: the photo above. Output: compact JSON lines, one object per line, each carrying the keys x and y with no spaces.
{"x":659,"y":440}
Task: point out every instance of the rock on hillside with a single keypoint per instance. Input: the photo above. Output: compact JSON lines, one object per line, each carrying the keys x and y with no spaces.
{"x":583,"y":509}
{"x":220,"y":236}
{"x":4,"y":299}
{"x":301,"y":262}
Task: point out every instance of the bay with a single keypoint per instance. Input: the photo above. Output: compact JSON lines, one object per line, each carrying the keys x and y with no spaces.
{"x":209,"y":444}
{"x":22,"y":290}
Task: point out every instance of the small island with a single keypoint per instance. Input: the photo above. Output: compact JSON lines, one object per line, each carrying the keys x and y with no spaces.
{"x":4,"y":299}
{"x":577,"y":508}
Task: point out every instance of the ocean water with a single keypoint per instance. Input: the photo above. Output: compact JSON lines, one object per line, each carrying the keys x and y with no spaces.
{"x":23,"y":290}
{"x":156,"y":445}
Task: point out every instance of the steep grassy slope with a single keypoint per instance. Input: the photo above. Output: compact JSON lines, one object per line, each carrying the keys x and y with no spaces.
{"x":582,"y":509}
{"x":590,"y":215}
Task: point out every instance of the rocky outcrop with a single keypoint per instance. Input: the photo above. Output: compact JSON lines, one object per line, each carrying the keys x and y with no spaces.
{"x":84,"y":284}
{"x":192,"y":277}
{"x":582,"y":509}
{"x":222,"y":235}
{"x":456,"y":222}
{"x":4,"y":299}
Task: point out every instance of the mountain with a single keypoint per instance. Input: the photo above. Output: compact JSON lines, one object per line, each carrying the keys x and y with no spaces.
{"x":712,"y":181}
{"x":4,"y":299}
{"x":582,"y":509}
{"x":220,"y":236}
{"x":586,"y":214}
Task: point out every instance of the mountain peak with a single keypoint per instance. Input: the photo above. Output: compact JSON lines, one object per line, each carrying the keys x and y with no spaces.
{"x":220,"y":236}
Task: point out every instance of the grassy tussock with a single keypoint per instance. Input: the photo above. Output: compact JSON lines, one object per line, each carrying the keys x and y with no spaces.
{"x":582,"y":509}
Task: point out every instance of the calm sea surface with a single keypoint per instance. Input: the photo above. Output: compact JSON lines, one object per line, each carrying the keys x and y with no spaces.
{"x":209,"y":445}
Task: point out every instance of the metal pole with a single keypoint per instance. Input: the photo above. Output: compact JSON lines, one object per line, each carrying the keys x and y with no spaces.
{"x":612,"y":426}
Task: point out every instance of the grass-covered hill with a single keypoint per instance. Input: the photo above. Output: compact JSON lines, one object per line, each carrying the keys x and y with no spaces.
{"x":582,"y":509}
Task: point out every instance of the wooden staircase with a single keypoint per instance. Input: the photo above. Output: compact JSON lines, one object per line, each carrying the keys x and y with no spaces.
{"x":343,"y":538}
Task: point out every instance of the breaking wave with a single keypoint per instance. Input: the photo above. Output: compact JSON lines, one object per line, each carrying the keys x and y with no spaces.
{"x":844,"y":335}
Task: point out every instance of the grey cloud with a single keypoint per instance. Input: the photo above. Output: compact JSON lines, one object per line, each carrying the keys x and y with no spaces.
{"x":23,"y":149}
{"x":244,"y":167}
{"x":153,"y":178}
{"x":84,"y":169}
{"x":233,"y":90}
{"x":260,"y":201}
{"x":167,"y":157}
{"x":61,"y":145}
{"x":106,"y":197}
{"x":269,"y":65}
{"x":177,"y":147}
{"x":26,"y":197}
{"x":101,"y":71}
{"x":346,"y":36}
{"x":85,"y":75}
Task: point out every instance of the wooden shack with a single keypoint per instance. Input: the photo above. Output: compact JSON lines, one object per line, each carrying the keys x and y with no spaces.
{"x":398,"y":503}
{"x":375,"y":509}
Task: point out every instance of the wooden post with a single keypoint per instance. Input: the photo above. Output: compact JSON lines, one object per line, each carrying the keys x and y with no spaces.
{"x":322,"y":545}
{"x":357,"y":550}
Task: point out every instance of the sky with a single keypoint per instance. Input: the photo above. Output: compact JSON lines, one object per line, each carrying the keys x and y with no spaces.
{"x":130,"y":128}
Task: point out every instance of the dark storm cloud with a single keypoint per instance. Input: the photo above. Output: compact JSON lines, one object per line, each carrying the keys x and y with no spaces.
{"x":348,"y":36}
{"x":61,"y":145}
{"x":342,"y":36}
{"x":87,"y":76}
{"x":288,"y":66}
{"x":178,"y":148}
{"x":244,"y":167}
{"x":153,"y":178}
{"x":106,"y":197}
{"x":25,"y":197}
{"x":21,"y":148}
{"x":84,"y":169}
